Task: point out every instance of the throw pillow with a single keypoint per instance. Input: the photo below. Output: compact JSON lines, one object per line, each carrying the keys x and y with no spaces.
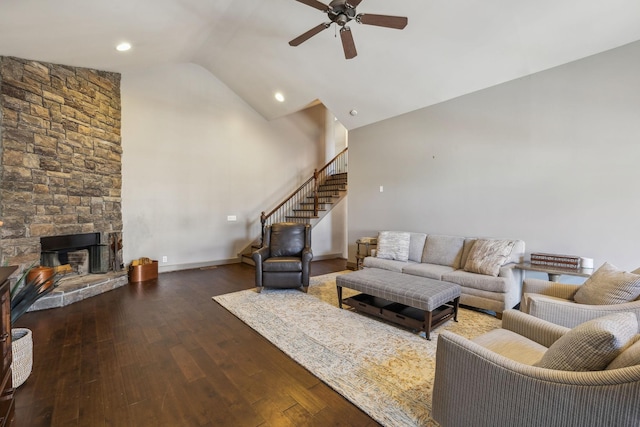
{"x":629,"y":356}
{"x":592,"y":345}
{"x":443,"y":250}
{"x":488,"y":255}
{"x":394,"y":245}
{"x":468,"y":245}
{"x":608,"y":285}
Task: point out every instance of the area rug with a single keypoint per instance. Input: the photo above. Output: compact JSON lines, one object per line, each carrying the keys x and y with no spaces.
{"x":385,"y":370}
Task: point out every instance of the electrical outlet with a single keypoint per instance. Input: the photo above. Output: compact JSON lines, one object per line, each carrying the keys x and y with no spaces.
{"x":381,"y":189}
{"x":164,"y":258}
{"x":232,"y":218}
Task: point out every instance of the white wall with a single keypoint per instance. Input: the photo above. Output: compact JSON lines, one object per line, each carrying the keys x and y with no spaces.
{"x":194,"y":153}
{"x":551,"y":159}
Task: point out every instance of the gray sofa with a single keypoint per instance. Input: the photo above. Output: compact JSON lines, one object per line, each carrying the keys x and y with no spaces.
{"x":454,"y":259}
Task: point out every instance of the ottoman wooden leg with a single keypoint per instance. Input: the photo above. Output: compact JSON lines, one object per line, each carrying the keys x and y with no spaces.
{"x":427,"y":320}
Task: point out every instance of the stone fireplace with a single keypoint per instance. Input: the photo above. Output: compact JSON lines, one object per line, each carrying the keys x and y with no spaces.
{"x":60,"y":157}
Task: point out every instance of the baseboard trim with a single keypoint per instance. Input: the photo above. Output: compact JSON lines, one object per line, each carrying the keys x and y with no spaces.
{"x":327,"y":256}
{"x":194,"y":265}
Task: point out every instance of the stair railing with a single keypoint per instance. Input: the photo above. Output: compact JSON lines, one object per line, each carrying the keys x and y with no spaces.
{"x":337,"y":165}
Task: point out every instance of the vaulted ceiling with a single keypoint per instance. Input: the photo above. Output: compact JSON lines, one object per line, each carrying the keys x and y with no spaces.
{"x":448,"y":49}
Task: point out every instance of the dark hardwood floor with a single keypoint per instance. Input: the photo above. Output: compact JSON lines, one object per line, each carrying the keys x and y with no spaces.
{"x":163,"y":353}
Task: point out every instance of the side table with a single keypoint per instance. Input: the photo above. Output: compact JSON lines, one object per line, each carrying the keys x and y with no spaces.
{"x":554,"y":273}
{"x":364,"y":247}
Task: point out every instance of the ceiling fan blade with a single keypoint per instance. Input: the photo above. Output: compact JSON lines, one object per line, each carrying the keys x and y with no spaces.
{"x":354,"y":3}
{"x":397,"y":22}
{"x":315,"y":3}
{"x":347,"y":43}
{"x":306,"y":36}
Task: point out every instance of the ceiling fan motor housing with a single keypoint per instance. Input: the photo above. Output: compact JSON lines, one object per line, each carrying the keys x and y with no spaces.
{"x":340,"y":12}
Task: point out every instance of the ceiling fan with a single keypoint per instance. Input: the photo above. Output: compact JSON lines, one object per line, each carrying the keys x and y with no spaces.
{"x":341,"y":12}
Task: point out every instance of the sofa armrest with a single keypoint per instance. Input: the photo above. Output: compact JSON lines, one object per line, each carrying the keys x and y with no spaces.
{"x":552,"y":289}
{"x":544,"y":287}
{"x":307,"y":256}
{"x":259,"y":256}
{"x":541,"y":331}
{"x":475,"y":386}
{"x":571,"y":314}
{"x":513,"y":274}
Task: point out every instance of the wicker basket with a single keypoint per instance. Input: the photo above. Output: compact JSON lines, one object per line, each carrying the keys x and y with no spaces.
{"x":22,"y":349}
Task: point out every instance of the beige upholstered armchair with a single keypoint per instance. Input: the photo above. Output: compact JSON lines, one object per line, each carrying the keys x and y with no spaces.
{"x":555,"y":302}
{"x":284,"y":260}
{"x":535,"y":373}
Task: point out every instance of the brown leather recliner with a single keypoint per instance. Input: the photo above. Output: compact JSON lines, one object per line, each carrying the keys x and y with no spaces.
{"x":284,"y":260}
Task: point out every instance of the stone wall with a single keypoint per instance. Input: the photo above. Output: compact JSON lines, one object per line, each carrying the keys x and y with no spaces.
{"x":60,"y":155}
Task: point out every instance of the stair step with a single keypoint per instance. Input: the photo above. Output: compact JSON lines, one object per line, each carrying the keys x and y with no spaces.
{"x":326,"y":200}
{"x":309,"y":205}
{"x":325,"y":194}
{"x":303,"y":214}
{"x":246,"y":259}
{"x":308,"y":210}
{"x":341,"y":175}
{"x":327,"y":187}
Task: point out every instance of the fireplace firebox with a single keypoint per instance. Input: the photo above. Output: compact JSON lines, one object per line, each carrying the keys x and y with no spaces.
{"x":67,"y":249}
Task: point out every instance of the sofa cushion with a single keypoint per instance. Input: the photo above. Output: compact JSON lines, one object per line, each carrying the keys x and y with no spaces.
{"x":630,"y":356}
{"x":394,"y":245}
{"x":488,"y":255}
{"x":287,"y":240}
{"x":608,"y":285}
{"x":478,"y":281}
{"x":385,"y":264}
{"x":592,"y":345}
{"x":282,"y":264}
{"x":443,"y":250}
{"x":416,"y":246}
{"x":432,"y":271}
{"x":511,"y":345}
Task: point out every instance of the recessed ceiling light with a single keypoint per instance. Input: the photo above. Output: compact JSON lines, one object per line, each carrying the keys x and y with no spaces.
{"x":123,"y":47}
{"x":279,"y":97}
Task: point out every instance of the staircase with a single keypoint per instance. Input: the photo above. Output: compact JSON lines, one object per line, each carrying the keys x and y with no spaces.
{"x":330,"y":192}
{"x":311,"y":202}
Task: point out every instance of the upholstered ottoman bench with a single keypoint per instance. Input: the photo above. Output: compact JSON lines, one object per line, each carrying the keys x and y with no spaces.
{"x":412,"y":301}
